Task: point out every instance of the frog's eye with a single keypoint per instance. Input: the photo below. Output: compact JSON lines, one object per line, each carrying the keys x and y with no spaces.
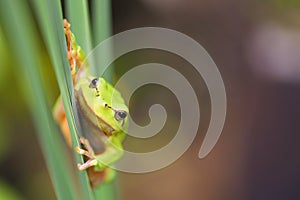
{"x":120,"y":115}
{"x":94,"y":83}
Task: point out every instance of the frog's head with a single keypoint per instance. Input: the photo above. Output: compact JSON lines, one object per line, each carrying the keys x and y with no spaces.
{"x":102,"y":104}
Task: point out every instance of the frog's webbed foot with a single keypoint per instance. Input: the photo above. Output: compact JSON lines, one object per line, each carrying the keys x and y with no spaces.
{"x":113,"y":152}
{"x":89,"y":153}
{"x":87,"y":164}
{"x":88,"y":147}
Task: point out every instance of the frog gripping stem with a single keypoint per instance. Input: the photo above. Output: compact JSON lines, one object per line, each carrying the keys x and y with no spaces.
{"x":107,"y":130}
{"x":71,"y":59}
{"x":75,"y":54}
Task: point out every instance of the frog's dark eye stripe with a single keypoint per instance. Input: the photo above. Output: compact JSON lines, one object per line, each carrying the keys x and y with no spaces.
{"x":119,"y":114}
{"x":94,"y":84}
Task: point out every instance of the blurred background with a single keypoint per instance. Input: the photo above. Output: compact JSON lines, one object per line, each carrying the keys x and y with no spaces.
{"x":255,"y":44}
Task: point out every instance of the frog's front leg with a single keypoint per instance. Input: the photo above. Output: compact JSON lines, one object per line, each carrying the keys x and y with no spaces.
{"x":113,"y":152}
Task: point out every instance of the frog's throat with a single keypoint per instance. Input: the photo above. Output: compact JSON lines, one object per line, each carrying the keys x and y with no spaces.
{"x":90,"y":115}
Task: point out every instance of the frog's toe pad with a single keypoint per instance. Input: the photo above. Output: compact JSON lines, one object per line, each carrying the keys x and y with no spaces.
{"x":87,"y":164}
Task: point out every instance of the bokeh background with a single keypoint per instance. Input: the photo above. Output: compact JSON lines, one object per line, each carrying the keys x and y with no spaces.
{"x":255,"y":44}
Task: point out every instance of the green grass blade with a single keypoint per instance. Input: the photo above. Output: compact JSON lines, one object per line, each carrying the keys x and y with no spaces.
{"x":78,"y":15}
{"x":50,"y":18}
{"x":101,"y":13}
{"x":22,"y":37}
{"x":108,"y":191}
{"x":102,"y":29}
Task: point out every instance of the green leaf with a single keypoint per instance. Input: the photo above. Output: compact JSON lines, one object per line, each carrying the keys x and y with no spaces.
{"x":101,"y":13}
{"x":51,"y":22}
{"x":22,"y":34}
{"x":78,"y":15}
{"x":20,"y":31}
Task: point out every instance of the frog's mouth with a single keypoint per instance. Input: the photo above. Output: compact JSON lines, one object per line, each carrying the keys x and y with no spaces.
{"x":88,"y":115}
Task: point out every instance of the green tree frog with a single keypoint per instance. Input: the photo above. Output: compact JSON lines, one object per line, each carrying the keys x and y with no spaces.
{"x":102,"y":122}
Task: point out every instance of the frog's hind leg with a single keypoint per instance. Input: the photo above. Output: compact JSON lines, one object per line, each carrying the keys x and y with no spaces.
{"x":110,"y":175}
{"x":69,"y":36}
{"x":97,"y":177}
{"x":76,"y":56}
